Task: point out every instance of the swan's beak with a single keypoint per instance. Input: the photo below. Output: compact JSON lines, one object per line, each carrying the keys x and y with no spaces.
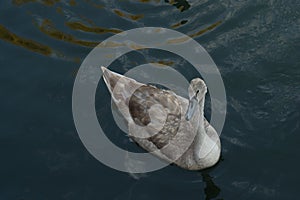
{"x":191,"y":108}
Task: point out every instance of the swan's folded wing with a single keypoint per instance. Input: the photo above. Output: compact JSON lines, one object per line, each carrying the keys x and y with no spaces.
{"x":160,"y":114}
{"x":157,"y":112}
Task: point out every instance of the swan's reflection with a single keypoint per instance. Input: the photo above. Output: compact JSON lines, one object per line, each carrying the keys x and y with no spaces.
{"x":211,"y":190}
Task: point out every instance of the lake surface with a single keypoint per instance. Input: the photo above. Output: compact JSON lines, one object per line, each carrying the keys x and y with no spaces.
{"x":255,"y":45}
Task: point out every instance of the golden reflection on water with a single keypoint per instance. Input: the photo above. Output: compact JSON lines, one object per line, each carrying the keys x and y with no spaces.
{"x":72,"y":3}
{"x":127,"y":15}
{"x":59,"y":10}
{"x":21,"y":2}
{"x":163,"y":63}
{"x":181,"y":5}
{"x":48,"y":28}
{"x":178,"y":40}
{"x":45,"y":2}
{"x":8,"y":36}
{"x":194,"y":35}
{"x":92,"y":29}
{"x":182,"y":22}
{"x":147,"y":1}
{"x":94,"y":4}
{"x":111,"y":44}
{"x":209,"y":28}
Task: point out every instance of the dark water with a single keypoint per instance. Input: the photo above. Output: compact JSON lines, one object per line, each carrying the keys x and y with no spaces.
{"x":255,"y":44}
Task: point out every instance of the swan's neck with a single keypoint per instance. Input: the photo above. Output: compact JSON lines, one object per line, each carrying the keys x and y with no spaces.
{"x":201,"y":133}
{"x":207,"y":150}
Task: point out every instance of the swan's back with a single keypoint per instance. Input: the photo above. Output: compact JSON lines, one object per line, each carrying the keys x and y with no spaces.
{"x":165,"y":109}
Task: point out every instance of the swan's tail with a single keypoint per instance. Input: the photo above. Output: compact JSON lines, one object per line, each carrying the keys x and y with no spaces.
{"x":121,"y":89}
{"x":110,"y":78}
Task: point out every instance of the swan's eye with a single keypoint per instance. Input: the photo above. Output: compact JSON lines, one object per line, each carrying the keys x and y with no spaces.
{"x":197,"y":92}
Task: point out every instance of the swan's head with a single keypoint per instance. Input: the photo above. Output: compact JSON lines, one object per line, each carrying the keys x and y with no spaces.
{"x":197,"y":91}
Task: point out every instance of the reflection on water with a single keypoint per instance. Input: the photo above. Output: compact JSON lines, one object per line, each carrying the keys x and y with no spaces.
{"x":182,"y":5}
{"x":92,"y":29}
{"x":8,"y":36}
{"x":48,"y":28}
{"x":211,"y":190}
{"x":163,"y":63}
{"x":45,"y":2}
{"x":178,"y":24}
{"x":95,"y":4}
{"x":127,"y":15}
{"x":193,"y":35}
{"x":209,"y":28}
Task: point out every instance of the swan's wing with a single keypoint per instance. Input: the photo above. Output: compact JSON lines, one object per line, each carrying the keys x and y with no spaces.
{"x":148,"y":110}
{"x":160,"y":113}
{"x":157,"y":112}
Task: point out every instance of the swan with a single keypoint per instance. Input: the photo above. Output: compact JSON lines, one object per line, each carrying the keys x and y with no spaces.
{"x":169,"y":126}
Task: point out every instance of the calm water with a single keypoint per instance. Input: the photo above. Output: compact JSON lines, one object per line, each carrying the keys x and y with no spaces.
{"x":255,"y":45}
